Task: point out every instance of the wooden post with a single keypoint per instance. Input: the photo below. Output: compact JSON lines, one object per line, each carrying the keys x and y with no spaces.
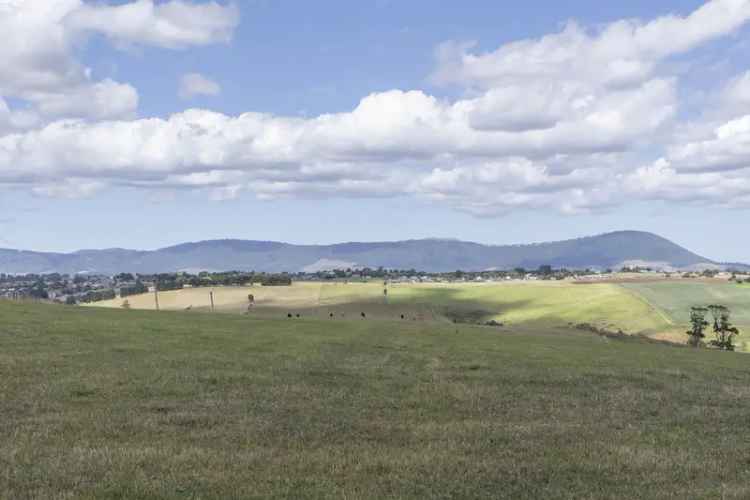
{"x":156,"y":295}
{"x":211,"y":294}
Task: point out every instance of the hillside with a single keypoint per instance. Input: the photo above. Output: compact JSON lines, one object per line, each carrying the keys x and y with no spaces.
{"x":132,"y":404}
{"x":541,"y":304}
{"x":432,"y":255}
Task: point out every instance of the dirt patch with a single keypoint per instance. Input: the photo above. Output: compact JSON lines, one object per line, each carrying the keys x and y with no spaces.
{"x":621,"y":335}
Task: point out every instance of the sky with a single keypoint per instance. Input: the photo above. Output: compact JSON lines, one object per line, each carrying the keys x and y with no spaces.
{"x":141,"y":124}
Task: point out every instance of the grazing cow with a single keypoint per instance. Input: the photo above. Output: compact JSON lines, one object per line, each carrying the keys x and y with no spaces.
{"x":402,"y":316}
{"x":289,"y":315}
{"x":331,"y":315}
{"x":363,"y":315}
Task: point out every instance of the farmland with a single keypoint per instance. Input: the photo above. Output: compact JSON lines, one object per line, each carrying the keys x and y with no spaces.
{"x":517,"y":303}
{"x":657,"y":308}
{"x":675,"y":298}
{"x":136,"y":404}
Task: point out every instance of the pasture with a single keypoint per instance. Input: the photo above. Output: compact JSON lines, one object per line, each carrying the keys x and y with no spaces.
{"x":101,"y":403}
{"x":675,"y":298}
{"x":544,"y":304}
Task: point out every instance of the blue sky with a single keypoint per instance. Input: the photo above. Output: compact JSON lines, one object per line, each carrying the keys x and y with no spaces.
{"x":527,"y":121}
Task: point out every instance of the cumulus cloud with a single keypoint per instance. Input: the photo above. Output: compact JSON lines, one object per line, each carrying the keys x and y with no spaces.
{"x":622,"y":53}
{"x":176,"y":24}
{"x":195,"y":84}
{"x":95,"y":100}
{"x":39,"y":64}
{"x":660,"y":181}
{"x":573,"y":121}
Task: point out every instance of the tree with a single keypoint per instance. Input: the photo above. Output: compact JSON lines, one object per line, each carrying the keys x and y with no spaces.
{"x":698,"y":325}
{"x":39,"y":290}
{"x":136,"y":289}
{"x":277,"y":280}
{"x":545,"y":270}
{"x":723,"y":328}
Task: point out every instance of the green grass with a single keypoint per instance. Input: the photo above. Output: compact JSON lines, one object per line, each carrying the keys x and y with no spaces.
{"x":102,"y":403}
{"x":675,"y":298}
{"x":541,"y":304}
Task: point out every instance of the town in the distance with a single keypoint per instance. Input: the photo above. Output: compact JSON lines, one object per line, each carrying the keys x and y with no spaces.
{"x":90,"y":288}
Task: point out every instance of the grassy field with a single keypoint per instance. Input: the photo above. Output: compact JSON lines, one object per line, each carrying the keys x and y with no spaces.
{"x":537,"y":303}
{"x":518,"y":303}
{"x":675,"y":298}
{"x":103,"y":403}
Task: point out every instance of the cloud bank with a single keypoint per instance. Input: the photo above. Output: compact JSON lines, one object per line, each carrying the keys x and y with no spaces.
{"x":575,"y":121}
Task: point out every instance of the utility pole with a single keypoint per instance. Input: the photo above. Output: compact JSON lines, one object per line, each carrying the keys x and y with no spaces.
{"x":156,"y":294}
{"x":211,"y":294}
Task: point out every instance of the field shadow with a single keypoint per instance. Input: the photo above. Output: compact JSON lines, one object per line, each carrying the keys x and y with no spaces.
{"x":443,"y":305}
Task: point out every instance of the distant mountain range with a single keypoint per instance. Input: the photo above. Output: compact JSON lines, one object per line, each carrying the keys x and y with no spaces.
{"x":611,"y":250}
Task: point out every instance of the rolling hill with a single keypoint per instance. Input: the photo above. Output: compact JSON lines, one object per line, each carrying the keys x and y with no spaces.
{"x":133,"y":404}
{"x":433,"y":255}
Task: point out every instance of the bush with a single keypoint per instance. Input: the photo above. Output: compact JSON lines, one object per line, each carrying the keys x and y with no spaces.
{"x":98,"y":295}
{"x":277,"y":280}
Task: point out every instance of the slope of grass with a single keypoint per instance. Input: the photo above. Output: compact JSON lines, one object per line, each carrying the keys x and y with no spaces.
{"x":539,"y":303}
{"x":676,"y":298}
{"x":129,"y":404}
{"x":226,"y":299}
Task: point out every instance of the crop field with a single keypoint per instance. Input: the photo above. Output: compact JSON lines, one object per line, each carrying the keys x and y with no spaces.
{"x":518,"y":303}
{"x":100,"y":403}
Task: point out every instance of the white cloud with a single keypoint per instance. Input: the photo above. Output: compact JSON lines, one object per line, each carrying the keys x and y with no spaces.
{"x":175,"y":24}
{"x":660,"y":181}
{"x":71,"y":189}
{"x":622,"y":53}
{"x":96,"y":100}
{"x":14,"y":120}
{"x":737,"y":91}
{"x":39,"y":64}
{"x":727,"y":149}
{"x":195,"y":84}
{"x":562,"y":122}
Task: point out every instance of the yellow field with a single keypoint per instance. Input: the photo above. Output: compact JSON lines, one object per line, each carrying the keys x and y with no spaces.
{"x":226,"y":299}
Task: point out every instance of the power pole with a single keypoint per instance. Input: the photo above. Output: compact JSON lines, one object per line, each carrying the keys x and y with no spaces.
{"x":211,"y":294}
{"x":156,"y":294}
